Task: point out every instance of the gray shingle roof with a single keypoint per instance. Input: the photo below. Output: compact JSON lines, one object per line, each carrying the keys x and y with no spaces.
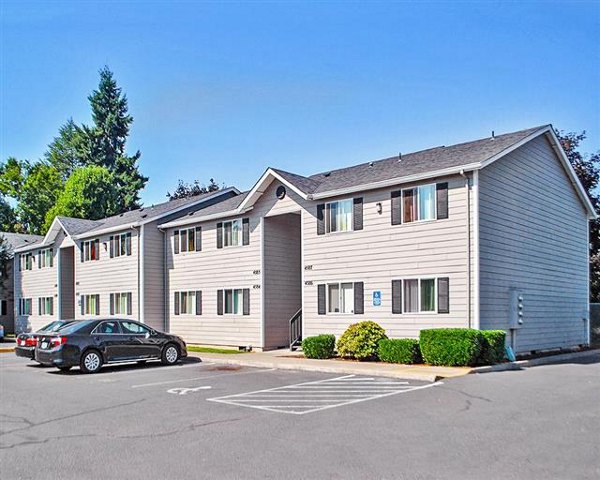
{"x":75,"y":226}
{"x":421,"y":162}
{"x":221,"y":207}
{"x":17,"y":240}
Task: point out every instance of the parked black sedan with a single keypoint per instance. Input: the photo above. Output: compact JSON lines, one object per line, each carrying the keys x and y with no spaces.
{"x":26,"y":342}
{"x":91,"y":343}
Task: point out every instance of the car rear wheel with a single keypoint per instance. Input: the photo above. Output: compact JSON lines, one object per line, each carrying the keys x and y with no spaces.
{"x":91,"y":362}
{"x":170,"y":355}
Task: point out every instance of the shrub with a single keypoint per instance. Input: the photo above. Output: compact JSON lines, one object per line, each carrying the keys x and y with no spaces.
{"x":492,"y":348}
{"x":399,"y":350}
{"x":360,"y":341}
{"x":450,"y":346}
{"x":321,"y":346}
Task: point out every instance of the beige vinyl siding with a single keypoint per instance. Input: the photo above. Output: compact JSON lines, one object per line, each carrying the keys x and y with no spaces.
{"x":107,"y":275}
{"x":282,"y":276}
{"x":533,"y":231}
{"x":7,"y":294}
{"x":154,"y":276}
{"x":382,"y":252}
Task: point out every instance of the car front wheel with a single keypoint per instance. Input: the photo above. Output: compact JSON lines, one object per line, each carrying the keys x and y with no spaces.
{"x":170,"y":355}
{"x":91,"y":362}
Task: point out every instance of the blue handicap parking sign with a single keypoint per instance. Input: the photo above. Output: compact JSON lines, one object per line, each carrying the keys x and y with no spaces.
{"x":377,"y":298}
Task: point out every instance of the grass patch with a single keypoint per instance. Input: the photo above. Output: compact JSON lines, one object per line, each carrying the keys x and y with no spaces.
{"x":194,"y":348}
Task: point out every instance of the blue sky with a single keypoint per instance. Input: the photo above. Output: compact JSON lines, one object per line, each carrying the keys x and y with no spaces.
{"x":225,"y":90}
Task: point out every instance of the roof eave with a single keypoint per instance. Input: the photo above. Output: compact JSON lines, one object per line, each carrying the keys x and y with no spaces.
{"x":255,"y":193}
{"x":192,"y":220}
{"x":26,"y":248}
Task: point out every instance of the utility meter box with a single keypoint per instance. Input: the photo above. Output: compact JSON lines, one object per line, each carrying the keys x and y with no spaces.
{"x":516,"y":310}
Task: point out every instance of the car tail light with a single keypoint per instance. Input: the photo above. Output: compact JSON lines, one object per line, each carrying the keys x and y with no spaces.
{"x":57,"y":341}
{"x":29,"y":342}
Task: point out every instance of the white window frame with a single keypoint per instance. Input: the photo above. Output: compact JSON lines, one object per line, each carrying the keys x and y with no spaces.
{"x":419,"y":220}
{"x":45,"y":257}
{"x":328,"y":216}
{"x":47,"y":306}
{"x":26,"y":261}
{"x":339,"y":285}
{"x":419,"y":279}
{"x":23,"y":304}
{"x":183,"y":304}
{"x":240,"y":235}
{"x":117,"y":298}
{"x":185,"y":235}
{"x":233,"y":304}
{"x":118,"y":239}
{"x":86,"y":304}
{"x":87,"y":250}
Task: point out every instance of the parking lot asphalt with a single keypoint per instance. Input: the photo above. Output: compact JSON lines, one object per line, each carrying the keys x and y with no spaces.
{"x":199,"y":420}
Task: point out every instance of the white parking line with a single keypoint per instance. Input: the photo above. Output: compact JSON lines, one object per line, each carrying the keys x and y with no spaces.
{"x":154,"y":384}
{"x":309,"y":397}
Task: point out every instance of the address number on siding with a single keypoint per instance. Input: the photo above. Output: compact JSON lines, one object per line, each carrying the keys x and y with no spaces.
{"x":256,"y":272}
{"x":308,"y":282}
{"x":256,"y":287}
{"x":308,"y":267}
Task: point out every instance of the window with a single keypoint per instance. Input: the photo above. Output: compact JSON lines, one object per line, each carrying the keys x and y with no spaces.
{"x":26,"y":261}
{"x":233,"y":303}
{"x":90,"y":250}
{"x":188,"y":303}
{"x":340,"y":298}
{"x":24,"y":306}
{"x":338,"y":216}
{"x":421,"y":295}
{"x":232,"y":233}
{"x":188,"y":240}
{"x":90,"y":304}
{"x":419,"y":203}
{"x":132,"y":328}
{"x":108,"y":328}
{"x":3,"y":307}
{"x":120,"y":303}
{"x":120,"y":245}
{"x":45,"y":258}
{"x":45,"y":305}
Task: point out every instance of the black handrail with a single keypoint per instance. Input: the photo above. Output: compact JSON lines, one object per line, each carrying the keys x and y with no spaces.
{"x":296,"y":329}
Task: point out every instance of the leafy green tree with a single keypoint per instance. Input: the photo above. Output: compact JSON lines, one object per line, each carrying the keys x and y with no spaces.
{"x":90,"y":192}
{"x":185,"y":190}
{"x":587,"y":168}
{"x":8,"y":219}
{"x":68,"y":149}
{"x":107,"y":140}
{"x":42,"y":185}
{"x":12,"y":176}
{"x":5,"y":261}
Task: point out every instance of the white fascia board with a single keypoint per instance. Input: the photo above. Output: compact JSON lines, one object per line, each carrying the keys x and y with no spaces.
{"x":134,"y":225}
{"x":32,"y":247}
{"x":215,"y":216}
{"x":396,"y":181}
{"x":46,"y":240}
{"x":256,"y":189}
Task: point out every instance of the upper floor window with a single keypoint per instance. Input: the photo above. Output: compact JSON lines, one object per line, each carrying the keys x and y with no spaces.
{"x":120,"y":245}
{"x":26,"y":261}
{"x":45,"y":258}
{"x":188,"y":240}
{"x":232,"y":233}
{"x":90,"y":250}
{"x":418,"y":203}
{"x":338,"y":216}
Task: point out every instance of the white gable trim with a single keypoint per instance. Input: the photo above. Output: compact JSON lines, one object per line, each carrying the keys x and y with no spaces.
{"x":49,"y":238}
{"x":256,"y":192}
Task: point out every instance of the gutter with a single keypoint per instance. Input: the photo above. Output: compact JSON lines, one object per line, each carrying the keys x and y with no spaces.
{"x":166,"y":293}
{"x":191,"y":220}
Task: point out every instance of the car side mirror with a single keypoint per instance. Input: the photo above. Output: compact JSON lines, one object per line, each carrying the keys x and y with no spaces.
{"x":147,"y":335}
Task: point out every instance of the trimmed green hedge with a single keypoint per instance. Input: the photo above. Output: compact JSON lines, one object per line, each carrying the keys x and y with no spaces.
{"x":399,"y":350}
{"x":361,"y":340}
{"x":450,"y":346}
{"x":492,"y":348}
{"x":321,"y":346}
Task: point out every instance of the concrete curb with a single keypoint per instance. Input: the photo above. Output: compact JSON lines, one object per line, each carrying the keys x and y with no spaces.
{"x":520,"y":364}
{"x":371,"y":370}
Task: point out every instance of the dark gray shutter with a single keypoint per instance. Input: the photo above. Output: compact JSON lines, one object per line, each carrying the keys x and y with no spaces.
{"x":444,"y":295}
{"x":128,"y":244}
{"x":246,"y":301}
{"x":112,"y":247}
{"x":357,"y":213}
{"x":4,"y":307}
{"x":321,"y":219}
{"x":52,"y":257}
{"x":219,"y":302}
{"x":321,"y":299}
{"x":129,"y":304}
{"x":39,"y":306}
{"x":51,"y":306}
{"x":82,"y":301}
{"x":176,"y":303}
{"x":359,"y":298}
{"x":396,"y":296}
{"x":98,"y":304}
{"x":245,"y":231}
{"x":220,"y":236}
{"x":176,"y":241}
{"x":442,"y":200}
{"x":396,"y":207}
{"x":81,"y":246}
{"x":198,"y":239}
{"x":97,"y":243}
{"x":198,"y":302}
{"x":39,"y":259}
{"x":112,"y":302}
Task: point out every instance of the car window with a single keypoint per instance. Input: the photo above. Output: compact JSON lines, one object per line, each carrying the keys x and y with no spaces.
{"x":134,"y":328}
{"x":50,"y":326}
{"x":108,"y":328}
{"x":75,"y":326}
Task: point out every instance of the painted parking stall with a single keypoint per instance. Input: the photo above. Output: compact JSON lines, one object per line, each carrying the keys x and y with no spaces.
{"x":310,"y":397}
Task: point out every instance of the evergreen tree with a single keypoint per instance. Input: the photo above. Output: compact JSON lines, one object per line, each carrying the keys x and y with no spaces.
{"x":107,"y":140}
{"x":67,"y":150}
{"x":185,"y":190}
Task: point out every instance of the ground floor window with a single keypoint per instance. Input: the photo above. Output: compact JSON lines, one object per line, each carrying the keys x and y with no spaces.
{"x":24,"y":306}
{"x":234,"y":301}
{"x":120,"y":303}
{"x":340,"y":298}
{"x":421,"y":295}
{"x":3,"y":307}
{"x":46,"y":306}
{"x":90,"y":304}
{"x":188,"y":303}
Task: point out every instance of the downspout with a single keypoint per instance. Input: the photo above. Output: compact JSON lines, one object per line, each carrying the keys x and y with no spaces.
{"x":469,"y":238}
{"x":476,"y":282}
{"x":140,"y":269}
{"x":166,"y":293}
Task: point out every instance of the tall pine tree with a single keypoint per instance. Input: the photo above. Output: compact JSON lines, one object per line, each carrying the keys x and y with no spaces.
{"x":107,"y":138}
